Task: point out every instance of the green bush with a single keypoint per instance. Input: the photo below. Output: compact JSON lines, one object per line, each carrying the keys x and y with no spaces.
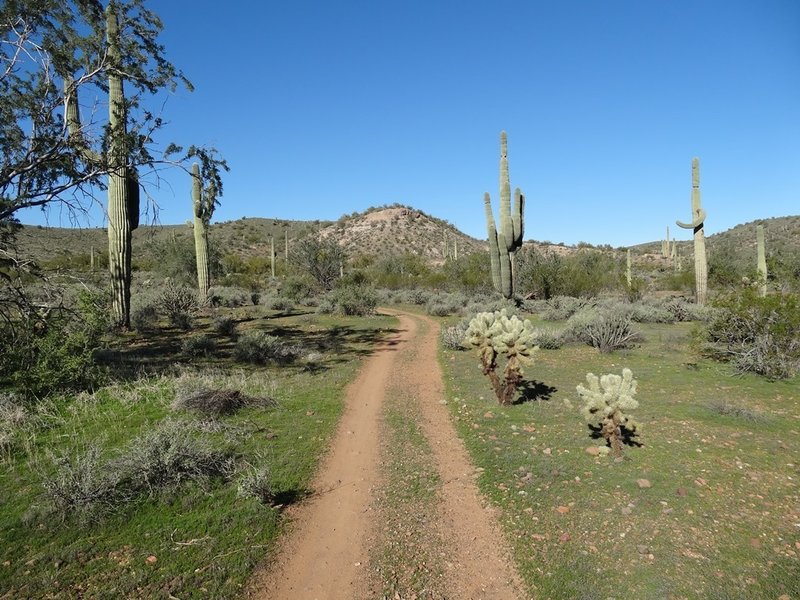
{"x":199,"y":345}
{"x":224,"y":326}
{"x":259,"y":347}
{"x":57,"y":354}
{"x":144,"y":318}
{"x":755,"y":334}
{"x":355,"y":300}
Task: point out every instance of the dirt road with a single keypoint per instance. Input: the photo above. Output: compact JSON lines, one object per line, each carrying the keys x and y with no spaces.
{"x":327,"y":553}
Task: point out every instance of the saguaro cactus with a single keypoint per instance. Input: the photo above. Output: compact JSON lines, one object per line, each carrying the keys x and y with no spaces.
{"x":698,"y":217}
{"x":204,"y":202}
{"x":123,"y":183}
{"x":505,"y":242}
{"x":762,"y":262}
{"x":628,"y":275}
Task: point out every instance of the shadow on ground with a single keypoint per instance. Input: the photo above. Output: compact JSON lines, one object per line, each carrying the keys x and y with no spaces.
{"x":530,"y":391}
{"x":161,"y":350}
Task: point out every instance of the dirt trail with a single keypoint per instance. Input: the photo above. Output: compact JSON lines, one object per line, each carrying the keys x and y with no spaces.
{"x":326,"y":555}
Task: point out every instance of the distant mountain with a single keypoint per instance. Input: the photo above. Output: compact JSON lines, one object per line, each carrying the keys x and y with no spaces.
{"x":378,"y":231}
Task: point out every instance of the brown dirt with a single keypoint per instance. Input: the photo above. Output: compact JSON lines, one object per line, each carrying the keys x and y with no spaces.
{"x":327,"y":551}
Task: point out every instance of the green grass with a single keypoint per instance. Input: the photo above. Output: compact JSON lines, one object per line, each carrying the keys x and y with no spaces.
{"x":201,"y":540}
{"x":720,"y":518}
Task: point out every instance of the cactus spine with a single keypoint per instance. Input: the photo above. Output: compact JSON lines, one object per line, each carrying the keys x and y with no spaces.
{"x":762,"y":262}
{"x":698,"y":217}
{"x":505,"y":242}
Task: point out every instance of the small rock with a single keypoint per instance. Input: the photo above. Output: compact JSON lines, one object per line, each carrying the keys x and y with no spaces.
{"x":644,"y":483}
{"x":626,"y":510}
{"x":643,"y":549}
{"x":700,"y":482}
{"x":547,"y":451}
{"x":755,"y":543}
{"x":488,"y":415}
{"x":593,"y":450}
{"x":564,"y":537}
{"x":562,"y":510}
{"x":309,"y":413}
{"x":681,"y":491}
{"x":151,"y":560}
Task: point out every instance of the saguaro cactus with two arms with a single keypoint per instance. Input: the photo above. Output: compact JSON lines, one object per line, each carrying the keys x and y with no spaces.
{"x":505,"y":242}
{"x":698,"y":217}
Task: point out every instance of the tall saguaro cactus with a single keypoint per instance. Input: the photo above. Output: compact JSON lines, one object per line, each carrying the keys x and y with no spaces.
{"x":762,"y":261}
{"x":204,"y":201}
{"x":698,"y":217}
{"x":503,"y":243}
{"x":123,"y":184}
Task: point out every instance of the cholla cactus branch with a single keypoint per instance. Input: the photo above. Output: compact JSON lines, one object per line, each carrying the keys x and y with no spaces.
{"x":494,"y":334}
{"x":608,"y":398}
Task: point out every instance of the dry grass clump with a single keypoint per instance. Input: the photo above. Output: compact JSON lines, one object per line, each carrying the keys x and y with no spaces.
{"x":218,"y":403}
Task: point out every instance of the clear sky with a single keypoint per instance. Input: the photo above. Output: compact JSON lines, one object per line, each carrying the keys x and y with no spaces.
{"x":328,"y":107}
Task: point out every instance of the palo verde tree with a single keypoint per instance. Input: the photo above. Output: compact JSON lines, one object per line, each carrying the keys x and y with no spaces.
{"x":52,"y":50}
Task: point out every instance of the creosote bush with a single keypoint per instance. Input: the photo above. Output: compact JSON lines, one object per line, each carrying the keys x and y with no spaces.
{"x":608,"y":400}
{"x":495,"y":334}
{"x":199,"y":345}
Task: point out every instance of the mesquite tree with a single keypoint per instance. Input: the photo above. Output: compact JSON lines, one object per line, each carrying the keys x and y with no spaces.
{"x":505,"y":242}
{"x":698,"y":218}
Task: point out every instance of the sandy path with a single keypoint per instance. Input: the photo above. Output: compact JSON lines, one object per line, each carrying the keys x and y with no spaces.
{"x":326,"y":554}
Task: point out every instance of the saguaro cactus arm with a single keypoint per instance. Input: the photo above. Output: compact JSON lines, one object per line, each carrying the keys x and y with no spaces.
{"x":698,"y":214}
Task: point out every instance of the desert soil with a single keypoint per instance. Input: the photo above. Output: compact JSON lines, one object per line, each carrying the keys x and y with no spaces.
{"x":330,"y":549}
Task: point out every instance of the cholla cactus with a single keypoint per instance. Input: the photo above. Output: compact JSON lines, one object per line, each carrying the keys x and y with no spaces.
{"x":608,"y":398}
{"x":494,"y":334}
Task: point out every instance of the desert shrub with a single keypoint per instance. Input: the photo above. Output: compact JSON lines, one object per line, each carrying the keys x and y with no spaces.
{"x":255,"y":298}
{"x":261,"y":348}
{"x":224,"y":326}
{"x":199,"y":345}
{"x":684,"y":310}
{"x":326,"y":305}
{"x":547,"y":339}
{"x":608,"y":400}
{"x":647,"y":313}
{"x":575,"y":329}
{"x":280,"y":303}
{"x":144,"y":318}
{"x":256,"y":483}
{"x":441,"y":308}
{"x":612,"y":331}
{"x":181,"y":320}
{"x":81,"y":487}
{"x":176,"y":299}
{"x":496,"y":334}
{"x":297,"y":288}
{"x":57,"y":353}
{"x":561,"y":308}
{"x":217,"y":403}
{"x":356,"y":299}
{"x":228,"y":296}
{"x":729,"y":409}
{"x":419,"y":297}
{"x":453,"y":337}
{"x":169,"y":455}
{"x":755,"y":334}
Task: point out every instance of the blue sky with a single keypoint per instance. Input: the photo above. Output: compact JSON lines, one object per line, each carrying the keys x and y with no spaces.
{"x":325,"y":108}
